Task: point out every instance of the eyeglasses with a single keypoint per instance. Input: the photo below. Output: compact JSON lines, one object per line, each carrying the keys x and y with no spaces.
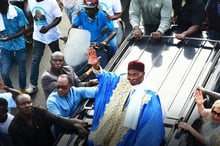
{"x":64,"y":87}
{"x":215,"y":113}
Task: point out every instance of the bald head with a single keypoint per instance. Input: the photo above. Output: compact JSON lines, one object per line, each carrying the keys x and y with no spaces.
{"x":24,"y":105}
{"x":57,"y":53}
{"x":22,"y":97}
{"x":57,"y":60}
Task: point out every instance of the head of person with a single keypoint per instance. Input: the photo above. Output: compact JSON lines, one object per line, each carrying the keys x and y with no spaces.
{"x":24,"y":104}
{"x":4,"y":6}
{"x":57,"y":60}
{"x":37,"y":12}
{"x":3,"y":110}
{"x":63,"y":85}
{"x":91,"y":7}
{"x":215,"y":112}
{"x":135,"y":72}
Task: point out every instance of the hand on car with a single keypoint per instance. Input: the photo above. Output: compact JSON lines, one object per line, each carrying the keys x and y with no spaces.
{"x":82,"y":131}
{"x":180,"y":36}
{"x":138,"y":34}
{"x":155,"y":35}
{"x":184,"y":125}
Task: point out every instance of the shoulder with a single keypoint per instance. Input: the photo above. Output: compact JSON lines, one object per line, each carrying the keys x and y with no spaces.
{"x":16,"y":122}
{"x":38,"y":110}
{"x":101,"y":13}
{"x":48,"y":76}
{"x":81,"y":12}
{"x":152,"y":93}
{"x":53,"y":97}
{"x":45,"y":74}
{"x":18,"y":10}
{"x":68,"y":68}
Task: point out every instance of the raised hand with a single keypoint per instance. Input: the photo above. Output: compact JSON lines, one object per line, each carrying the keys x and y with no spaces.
{"x":199,"y":97}
{"x":92,"y":58}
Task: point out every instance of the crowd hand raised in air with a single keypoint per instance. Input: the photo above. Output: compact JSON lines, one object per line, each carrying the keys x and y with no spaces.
{"x":199,"y":97}
{"x":93,"y":59}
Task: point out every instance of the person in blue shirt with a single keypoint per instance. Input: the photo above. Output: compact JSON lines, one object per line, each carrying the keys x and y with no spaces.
{"x":12,"y":43}
{"x":94,"y":20}
{"x":66,"y":99}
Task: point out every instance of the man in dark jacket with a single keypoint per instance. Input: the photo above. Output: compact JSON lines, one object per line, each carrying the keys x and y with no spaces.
{"x":32,"y":125}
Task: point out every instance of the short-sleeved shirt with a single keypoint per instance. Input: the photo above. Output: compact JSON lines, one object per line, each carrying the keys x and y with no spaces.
{"x":111,"y":7}
{"x":44,"y":13}
{"x":192,"y":13}
{"x":13,"y":26}
{"x":94,"y":26}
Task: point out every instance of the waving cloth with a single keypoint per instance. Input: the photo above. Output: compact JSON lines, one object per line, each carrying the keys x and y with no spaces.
{"x":10,"y":15}
{"x":103,"y":96}
{"x":108,"y":127}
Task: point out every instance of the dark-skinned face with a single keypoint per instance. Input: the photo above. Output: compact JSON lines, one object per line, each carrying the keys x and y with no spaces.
{"x":63,"y":86}
{"x":57,"y":62}
{"x":24,"y":104}
{"x":91,"y":12}
{"x":135,"y":77}
{"x":4,"y":6}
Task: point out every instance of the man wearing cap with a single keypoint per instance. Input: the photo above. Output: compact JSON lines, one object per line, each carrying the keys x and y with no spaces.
{"x":95,"y":20}
{"x":126,"y":113}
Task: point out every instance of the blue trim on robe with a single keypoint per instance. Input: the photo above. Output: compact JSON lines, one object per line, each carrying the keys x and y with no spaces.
{"x":107,"y":83}
{"x":150,"y":134}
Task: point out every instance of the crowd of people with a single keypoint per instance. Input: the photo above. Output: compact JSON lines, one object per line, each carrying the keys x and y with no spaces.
{"x":128,"y":120}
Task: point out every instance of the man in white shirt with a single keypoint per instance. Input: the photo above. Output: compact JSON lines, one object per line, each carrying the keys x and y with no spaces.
{"x":46,"y":32}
